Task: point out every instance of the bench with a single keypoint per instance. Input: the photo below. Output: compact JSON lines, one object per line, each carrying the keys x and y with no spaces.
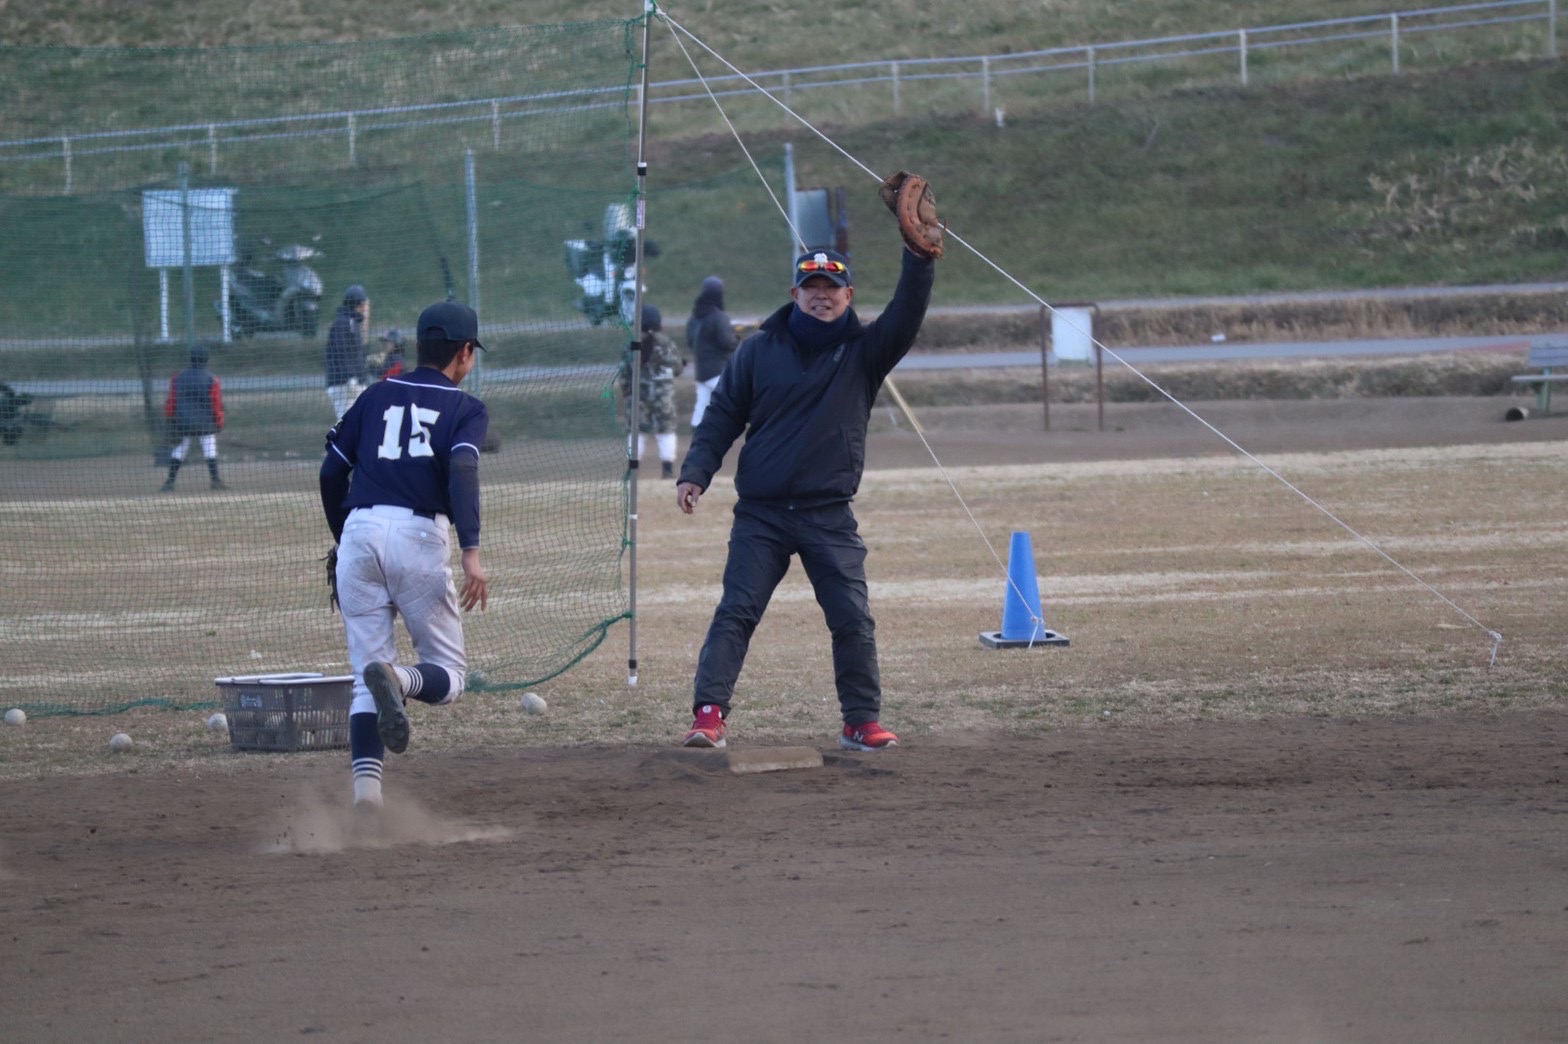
{"x":1552,"y":361}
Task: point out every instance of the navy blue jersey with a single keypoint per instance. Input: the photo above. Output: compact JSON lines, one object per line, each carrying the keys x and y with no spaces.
{"x":400,"y":438}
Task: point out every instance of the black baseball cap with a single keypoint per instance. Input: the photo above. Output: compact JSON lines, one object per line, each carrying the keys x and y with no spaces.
{"x":450,"y":321}
{"x":828,"y":263}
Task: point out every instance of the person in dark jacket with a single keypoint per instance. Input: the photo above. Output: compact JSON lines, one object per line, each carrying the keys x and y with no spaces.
{"x":194,"y":408}
{"x":345,"y":356}
{"x":801,"y":390}
{"x":710,"y":337}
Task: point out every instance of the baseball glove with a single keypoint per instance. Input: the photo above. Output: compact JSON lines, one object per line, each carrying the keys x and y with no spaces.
{"x":911,"y":200}
{"x":332,"y":575}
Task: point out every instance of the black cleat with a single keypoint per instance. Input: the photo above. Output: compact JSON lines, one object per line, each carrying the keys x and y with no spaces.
{"x":391,"y":718}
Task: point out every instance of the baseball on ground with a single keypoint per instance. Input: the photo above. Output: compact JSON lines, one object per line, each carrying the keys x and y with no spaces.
{"x":217,"y":723}
{"x":533,"y":703}
{"x":120,"y":741}
{"x":16,"y":716}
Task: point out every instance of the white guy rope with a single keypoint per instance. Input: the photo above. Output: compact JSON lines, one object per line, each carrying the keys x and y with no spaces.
{"x":677,"y":31}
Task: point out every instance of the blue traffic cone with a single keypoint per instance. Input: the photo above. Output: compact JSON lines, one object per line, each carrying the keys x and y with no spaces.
{"x":1023,"y":621}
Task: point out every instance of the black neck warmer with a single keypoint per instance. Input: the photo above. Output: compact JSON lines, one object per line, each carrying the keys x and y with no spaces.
{"x":812,"y":334}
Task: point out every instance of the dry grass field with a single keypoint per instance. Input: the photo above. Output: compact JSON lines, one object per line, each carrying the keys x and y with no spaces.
{"x":1274,"y":790}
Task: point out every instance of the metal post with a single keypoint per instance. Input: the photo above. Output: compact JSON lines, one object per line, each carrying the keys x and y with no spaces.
{"x":791,"y":205}
{"x":985,"y":87}
{"x":65,"y":153}
{"x":472,"y":194}
{"x":228,"y":316}
{"x":1241,"y":45}
{"x":495,"y":125}
{"x":633,"y":417}
{"x":1090,"y":62}
{"x":1551,"y":28}
{"x":1099,"y":383}
{"x":212,"y":148}
{"x":1393,"y":40}
{"x":1045,"y":359}
{"x":351,"y":141}
{"x":898,"y":101}
{"x":185,"y":238}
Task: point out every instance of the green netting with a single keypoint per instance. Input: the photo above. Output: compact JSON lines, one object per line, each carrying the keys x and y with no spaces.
{"x":459,"y":164}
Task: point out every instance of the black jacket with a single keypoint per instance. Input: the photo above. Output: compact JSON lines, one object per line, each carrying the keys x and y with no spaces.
{"x":804,"y":416}
{"x":345,"y":355}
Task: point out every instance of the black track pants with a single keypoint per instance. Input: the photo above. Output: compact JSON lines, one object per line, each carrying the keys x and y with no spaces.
{"x":828,"y":542}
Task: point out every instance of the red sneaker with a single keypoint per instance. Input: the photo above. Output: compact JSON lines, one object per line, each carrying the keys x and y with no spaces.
{"x":866,"y":736}
{"x":707,"y":730}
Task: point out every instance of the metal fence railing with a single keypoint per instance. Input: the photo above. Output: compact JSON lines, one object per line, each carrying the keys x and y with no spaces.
{"x":1077,"y":72}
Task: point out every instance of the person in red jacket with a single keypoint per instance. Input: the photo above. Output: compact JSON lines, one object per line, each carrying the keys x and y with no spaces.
{"x":194,"y":408}
{"x":392,"y":362}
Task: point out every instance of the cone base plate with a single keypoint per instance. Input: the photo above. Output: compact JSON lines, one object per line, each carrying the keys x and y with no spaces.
{"x":994,"y":640}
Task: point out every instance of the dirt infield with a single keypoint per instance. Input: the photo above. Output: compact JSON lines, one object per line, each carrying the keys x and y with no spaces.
{"x":1268,"y":794}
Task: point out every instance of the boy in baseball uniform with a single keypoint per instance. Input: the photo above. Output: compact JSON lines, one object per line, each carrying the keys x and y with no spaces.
{"x":400,"y":473}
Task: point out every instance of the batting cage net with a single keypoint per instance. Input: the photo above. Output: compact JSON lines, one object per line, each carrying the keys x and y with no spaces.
{"x":215,"y":208}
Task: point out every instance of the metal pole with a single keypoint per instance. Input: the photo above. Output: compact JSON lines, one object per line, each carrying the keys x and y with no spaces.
{"x":985,"y":87}
{"x":898,"y":101}
{"x":224,"y":308}
{"x":1099,"y":383}
{"x":65,"y":153}
{"x":790,"y":203}
{"x":1045,"y":369}
{"x":1241,"y":45}
{"x":1393,"y":40}
{"x":632,"y":412}
{"x":1551,"y":28}
{"x":470,"y":186}
{"x":185,"y":234}
{"x":1090,"y":62}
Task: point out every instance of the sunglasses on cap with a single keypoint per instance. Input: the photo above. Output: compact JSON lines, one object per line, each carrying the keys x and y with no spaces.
{"x":831,"y":267}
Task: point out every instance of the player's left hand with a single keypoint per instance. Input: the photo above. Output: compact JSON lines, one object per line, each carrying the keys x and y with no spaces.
{"x":476,"y":589}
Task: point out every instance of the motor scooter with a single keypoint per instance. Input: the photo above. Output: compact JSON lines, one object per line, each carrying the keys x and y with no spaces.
{"x":262,"y":301}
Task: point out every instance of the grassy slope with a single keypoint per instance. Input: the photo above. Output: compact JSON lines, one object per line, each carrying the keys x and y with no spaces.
{"x":1192,"y":191}
{"x":752,"y":33}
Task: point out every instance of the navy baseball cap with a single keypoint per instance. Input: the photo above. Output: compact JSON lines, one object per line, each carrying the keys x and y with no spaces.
{"x":828,"y":263}
{"x":451,"y":321}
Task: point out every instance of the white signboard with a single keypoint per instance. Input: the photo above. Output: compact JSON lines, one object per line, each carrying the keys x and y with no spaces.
{"x":212,"y":227}
{"x":1072,"y":334}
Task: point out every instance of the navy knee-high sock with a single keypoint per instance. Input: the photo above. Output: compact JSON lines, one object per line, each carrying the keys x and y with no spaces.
{"x":366,"y":755}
